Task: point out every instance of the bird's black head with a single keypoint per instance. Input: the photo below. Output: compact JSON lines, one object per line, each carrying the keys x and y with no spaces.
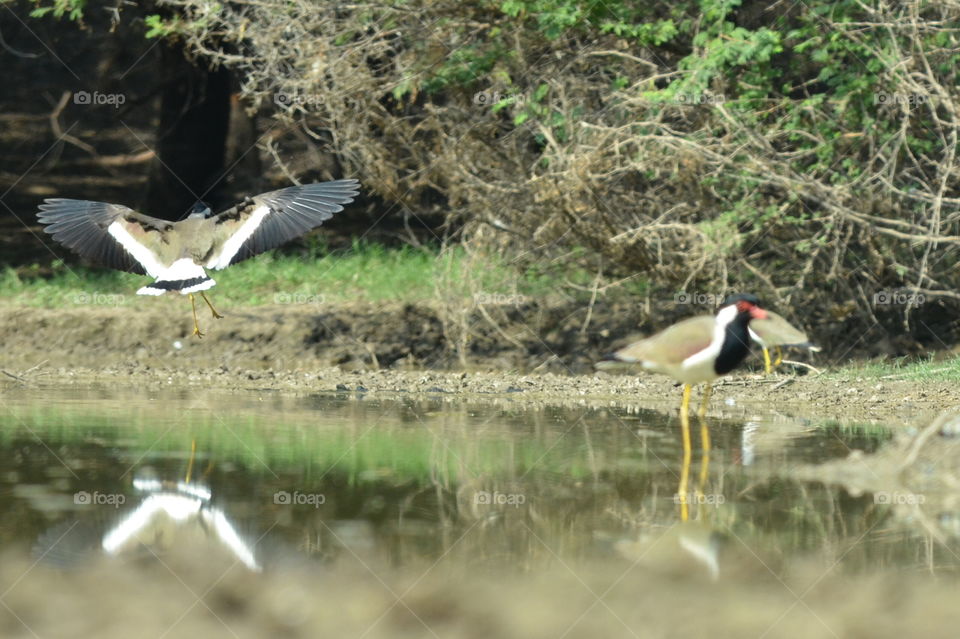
{"x":201,"y":210}
{"x":741,"y":297}
{"x":746,"y":304}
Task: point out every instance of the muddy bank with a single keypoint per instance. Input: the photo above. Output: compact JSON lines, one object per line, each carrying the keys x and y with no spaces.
{"x":890,"y":402}
{"x":403,"y":349}
{"x":355,"y":336}
{"x":562,"y":337}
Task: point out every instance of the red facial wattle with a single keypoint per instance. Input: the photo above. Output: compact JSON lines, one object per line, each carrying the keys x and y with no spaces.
{"x":743,"y":306}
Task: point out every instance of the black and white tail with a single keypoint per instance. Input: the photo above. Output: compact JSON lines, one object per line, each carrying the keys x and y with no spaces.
{"x":183,"y":276}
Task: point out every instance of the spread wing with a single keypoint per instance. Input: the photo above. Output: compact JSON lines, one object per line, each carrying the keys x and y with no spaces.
{"x":673,"y":345}
{"x":270,"y":219}
{"x":109,"y":234}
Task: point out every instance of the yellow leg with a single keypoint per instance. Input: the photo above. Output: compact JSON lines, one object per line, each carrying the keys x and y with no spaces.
{"x":216,"y":315}
{"x":685,"y":404}
{"x":704,"y":401}
{"x":779,"y":357}
{"x":705,"y":462}
{"x":193,"y":453}
{"x":682,"y":494}
{"x":766,"y":360}
{"x":196,"y":326}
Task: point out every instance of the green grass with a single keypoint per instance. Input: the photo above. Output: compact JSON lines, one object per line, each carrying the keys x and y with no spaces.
{"x":901,"y":369}
{"x":366,"y":272}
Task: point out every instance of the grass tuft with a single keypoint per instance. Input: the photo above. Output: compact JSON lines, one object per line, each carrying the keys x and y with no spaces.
{"x":902,"y":369}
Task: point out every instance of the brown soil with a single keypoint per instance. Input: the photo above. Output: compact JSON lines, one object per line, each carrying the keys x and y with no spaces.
{"x":401,"y":349}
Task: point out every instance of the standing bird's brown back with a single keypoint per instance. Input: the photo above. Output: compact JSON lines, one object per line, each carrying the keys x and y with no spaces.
{"x":674,"y":344}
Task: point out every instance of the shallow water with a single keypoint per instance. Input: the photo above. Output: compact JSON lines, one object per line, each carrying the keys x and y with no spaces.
{"x":268,"y":484}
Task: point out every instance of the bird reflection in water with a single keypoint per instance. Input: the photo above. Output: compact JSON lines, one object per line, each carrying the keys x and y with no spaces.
{"x":683,"y":497}
{"x":689,"y":546}
{"x":168,"y":514}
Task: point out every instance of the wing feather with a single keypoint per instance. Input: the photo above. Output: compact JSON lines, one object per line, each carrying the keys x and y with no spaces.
{"x":672,"y":345}
{"x":109,"y":234}
{"x":271,"y":219}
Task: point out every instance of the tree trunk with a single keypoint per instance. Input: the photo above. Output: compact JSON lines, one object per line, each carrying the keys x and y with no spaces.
{"x":191,"y":139}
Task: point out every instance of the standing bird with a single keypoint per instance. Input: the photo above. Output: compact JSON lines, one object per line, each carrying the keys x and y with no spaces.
{"x":696,"y":350}
{"x":693,"y":351}
{"x":776,"y":331}
{"x":175,"y":254}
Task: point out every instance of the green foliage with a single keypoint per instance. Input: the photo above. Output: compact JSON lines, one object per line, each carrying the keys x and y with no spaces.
{"x":73,"y":9}
{"x":637,"y":21}
{"x":463,"y":66}
{"x":649,"y":33}
{"x":752,"y":67}
{"x":158,"y":27}
{"x":536,"y":108}
{"x":553,"y":16}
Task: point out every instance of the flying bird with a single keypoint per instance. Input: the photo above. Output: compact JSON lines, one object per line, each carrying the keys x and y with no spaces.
{"x":178,"y":254}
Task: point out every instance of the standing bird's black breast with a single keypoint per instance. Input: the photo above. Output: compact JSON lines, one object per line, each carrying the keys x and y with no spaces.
{"x":736,"y":345}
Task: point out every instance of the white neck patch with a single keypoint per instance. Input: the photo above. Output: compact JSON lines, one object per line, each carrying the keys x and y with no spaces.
{"x":726,"y":315}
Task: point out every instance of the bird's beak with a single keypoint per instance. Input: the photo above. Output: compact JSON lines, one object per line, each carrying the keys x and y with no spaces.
{"x":758,"y":313}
